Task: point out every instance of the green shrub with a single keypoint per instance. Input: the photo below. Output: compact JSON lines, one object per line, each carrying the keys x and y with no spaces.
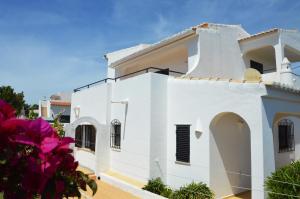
{"x":155,"y":186}
{"x":285,"y":180}
{"x":167,"y":192}
{"x":193,"y":191}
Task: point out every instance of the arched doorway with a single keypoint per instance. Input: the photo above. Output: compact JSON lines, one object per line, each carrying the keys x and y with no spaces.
{"x":230,"y":155}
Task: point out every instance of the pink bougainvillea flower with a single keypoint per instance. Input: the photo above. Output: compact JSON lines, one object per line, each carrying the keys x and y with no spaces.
{"x":65,"y":143}
{"x":6,"y":111}
{"x":48,"y":144}
{"x":41,"y":128}
{"x":35,"y":160}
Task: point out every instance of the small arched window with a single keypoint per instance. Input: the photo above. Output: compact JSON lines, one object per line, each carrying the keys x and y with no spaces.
{"x":85,"y":137}
{"x":115,"y":134}
{"x":286,"y":135}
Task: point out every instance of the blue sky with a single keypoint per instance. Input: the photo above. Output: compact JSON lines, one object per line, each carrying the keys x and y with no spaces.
{"x":51,"y":46}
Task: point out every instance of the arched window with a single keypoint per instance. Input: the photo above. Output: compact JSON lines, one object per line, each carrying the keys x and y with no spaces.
{"x":115,"y":134}
{"x":286,"y":135}
{"x":85,"y":137}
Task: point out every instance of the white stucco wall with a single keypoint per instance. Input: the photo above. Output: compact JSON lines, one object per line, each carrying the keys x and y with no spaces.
{"x":197,"y":103}
{"x":133,"y":158}
{"x":158,"y":136}
{"x":85,"y":158}
{"x":92,"y":103}
{"x":156,"y":103}
{"x":219,"y":53}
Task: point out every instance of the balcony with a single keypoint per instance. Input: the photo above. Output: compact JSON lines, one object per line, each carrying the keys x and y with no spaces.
{"x":165,"y":71}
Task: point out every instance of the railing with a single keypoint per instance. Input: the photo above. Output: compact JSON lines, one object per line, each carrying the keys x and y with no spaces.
{"x":146,"y":70}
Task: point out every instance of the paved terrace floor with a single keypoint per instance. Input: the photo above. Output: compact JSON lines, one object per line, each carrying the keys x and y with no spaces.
{"x":107,"y":191}
{"x":245,"y":195}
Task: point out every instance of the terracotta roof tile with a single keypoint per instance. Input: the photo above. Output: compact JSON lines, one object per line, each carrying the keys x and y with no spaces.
{"x":60,"y":103}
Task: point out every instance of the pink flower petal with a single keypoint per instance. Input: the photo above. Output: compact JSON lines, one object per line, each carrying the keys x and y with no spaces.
{"x":48,"y":144}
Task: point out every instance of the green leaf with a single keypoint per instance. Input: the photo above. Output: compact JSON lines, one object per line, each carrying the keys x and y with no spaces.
{"x":93,"y":185}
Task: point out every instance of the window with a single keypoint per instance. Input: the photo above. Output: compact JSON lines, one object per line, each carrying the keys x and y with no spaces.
{"x":78,"y":136}
{"x":258,"y":66}
{"x":183,"y":143}
{"x":286,"y":135}
{"x":115,"y":134}
{"x":85,"y":137}
{"x":64,"y":119}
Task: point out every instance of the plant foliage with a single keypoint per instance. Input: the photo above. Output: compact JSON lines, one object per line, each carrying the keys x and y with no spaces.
{"x":58,"y":126}
{"x":190,"y":191}
{"x":155,"y":186}
{"x":284,"y":183}
{"x":193,"y":191}
{"x":15,"y":99}
{"x":35,"y":161}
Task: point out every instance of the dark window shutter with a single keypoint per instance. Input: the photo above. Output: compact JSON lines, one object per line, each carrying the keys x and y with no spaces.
{"x":183,"y":143}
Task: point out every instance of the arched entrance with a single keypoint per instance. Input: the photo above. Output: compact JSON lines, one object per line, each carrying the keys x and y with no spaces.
{"x":230,"y":155}
{"x":91,"y":148}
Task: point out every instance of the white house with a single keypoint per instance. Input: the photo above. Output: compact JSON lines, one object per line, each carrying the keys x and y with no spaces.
{"x":59,"y":103}
{"x":211,"y":103}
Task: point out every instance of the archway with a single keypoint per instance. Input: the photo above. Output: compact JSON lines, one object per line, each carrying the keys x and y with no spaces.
{"x":230,"y":155}
{"x":91,"y":149}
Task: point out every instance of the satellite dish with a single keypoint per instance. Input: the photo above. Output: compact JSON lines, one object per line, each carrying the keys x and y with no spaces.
{"x":252,"y":74}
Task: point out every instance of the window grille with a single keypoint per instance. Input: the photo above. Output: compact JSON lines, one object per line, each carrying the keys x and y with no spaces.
{"x":115,"y":134}
{"x":286,"y":136}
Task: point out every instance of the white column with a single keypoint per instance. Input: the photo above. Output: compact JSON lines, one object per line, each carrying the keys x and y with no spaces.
{"x":262,"y":155}
{"x":279,"y":55}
